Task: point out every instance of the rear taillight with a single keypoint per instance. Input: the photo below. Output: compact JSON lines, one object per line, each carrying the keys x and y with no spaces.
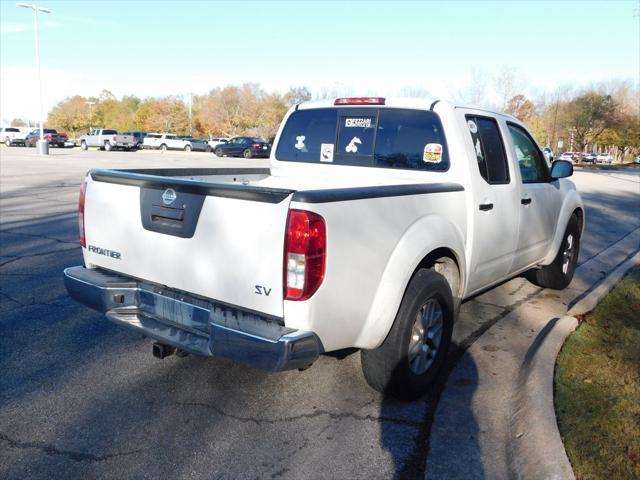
{"x":115,"y":138}
{"x":255,"y":145}
{"x":83,"y":191}
{"x":305,"y":254}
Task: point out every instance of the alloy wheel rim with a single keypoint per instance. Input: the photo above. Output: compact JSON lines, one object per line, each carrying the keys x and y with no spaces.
{"x":567,"y":254}
{"x":426,"y":336}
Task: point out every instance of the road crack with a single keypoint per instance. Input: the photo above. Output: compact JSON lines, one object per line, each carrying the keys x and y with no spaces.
{"x":54,"y":451}
{"x":314,"y":414}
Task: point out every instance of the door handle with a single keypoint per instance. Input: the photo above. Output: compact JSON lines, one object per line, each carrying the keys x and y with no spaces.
{"x":485,"y":207}
{"x":525,"y":201}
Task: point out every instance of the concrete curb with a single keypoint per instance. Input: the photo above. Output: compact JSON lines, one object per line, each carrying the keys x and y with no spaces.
{"x":593,"y":297}
{"x":535,"y":448}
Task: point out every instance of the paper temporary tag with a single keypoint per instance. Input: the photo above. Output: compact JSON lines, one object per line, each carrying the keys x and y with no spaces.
{"x":326,"y":152}
{"x":473,"y":128}
{"x":432,"y":153}
{"x":353,"y":145}
{"x":300,"y":142}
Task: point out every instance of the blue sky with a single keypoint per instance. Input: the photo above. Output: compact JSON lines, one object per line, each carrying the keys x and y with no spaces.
{"x":158,"y":48}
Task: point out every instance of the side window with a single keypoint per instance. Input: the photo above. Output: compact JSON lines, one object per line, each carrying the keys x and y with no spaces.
{"x":489,"y":148}
{"x":533,"y":167}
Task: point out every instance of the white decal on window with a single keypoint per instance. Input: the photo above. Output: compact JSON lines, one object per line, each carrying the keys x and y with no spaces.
{"x":473,"y":128}
{"x":358,"y":122}
{"x":326,"y":152}
{"x":353,"y":145}
{"x":300,"y":142}
{"x":479,"y":150}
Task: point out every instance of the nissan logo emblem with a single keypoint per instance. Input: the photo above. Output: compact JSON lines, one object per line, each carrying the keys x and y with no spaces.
{"x":169,"y":196}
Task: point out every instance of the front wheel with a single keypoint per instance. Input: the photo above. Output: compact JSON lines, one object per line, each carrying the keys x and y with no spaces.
{"x":107,"y":146}
{"x":247,"y":153}
{"x":559,"y":273}
{"x":187,"y":148}
{"x":163,"y":147}
{"x":407,"y":362}
{"x":83,"y":146}
{"x":219,"y":152}
{"x":7,"y":142}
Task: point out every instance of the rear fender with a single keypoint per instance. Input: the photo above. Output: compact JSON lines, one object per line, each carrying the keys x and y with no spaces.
{"x":427,"y":234}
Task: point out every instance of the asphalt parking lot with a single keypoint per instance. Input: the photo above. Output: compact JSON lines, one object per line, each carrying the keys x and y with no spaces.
{"x":80,"y":397}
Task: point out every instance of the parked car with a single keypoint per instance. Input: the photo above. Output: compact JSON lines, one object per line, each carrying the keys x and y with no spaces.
{"x":12,"y":136}
{"x":138,"y":138}
{"x":215,"y":141}
{"x":568,"y":157}
{"x":604,"y":158}
{"x":106,"y":139}
{"x":274,"y":268}
{"x":246,"y":147}
{"x":51,"y":135}
{"x":589,"y":157}
{"x":167,"y":141}
{"x":196,"y":144}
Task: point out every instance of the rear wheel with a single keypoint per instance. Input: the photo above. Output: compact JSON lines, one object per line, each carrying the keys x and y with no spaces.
{"x":219,"y":152}
{"x":83,"y":145}
{"x":209,"y":149}
{"x":247,"y":153}
{"x":559,"y":273}
{"x":7,"y":142}
{"x":107,"y":146}
{"x":163,"y":147}
{"x":187,"y":148}
{"x":410,"y":357}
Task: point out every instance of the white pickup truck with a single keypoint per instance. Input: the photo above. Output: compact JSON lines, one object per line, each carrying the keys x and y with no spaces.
{"x":107,"y":139}
{"x":376,"y":218}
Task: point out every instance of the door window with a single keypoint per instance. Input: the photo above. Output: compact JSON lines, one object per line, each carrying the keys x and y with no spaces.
{"x":489,"y":149}
{"x":533,"y":168}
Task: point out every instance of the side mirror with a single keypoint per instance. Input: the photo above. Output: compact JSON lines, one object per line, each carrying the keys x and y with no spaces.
{"x":561,"y":169}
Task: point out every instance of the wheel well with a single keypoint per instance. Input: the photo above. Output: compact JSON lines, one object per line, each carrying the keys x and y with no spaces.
{"x":580,"y":216}
{"x":444,"y":261}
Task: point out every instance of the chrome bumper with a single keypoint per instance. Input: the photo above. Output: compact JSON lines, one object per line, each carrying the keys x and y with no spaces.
{"x":198,"y":326}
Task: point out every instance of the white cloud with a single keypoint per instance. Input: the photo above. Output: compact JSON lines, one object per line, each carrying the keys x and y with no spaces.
{"x":13,"y":28}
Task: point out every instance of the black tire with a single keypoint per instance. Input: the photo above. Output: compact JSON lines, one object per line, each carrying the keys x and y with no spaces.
{"x":389,"y":368}
{"x":7,"y":142}
{"x":559,"y":273}
{"x":209,"y":149}
{"x":247,"y":153}
{"x":187,"y":148}
{"x":83,"y":146}
{"x":219,"y":152}
{"x":107,"y":146}
{"x":163,"y":147}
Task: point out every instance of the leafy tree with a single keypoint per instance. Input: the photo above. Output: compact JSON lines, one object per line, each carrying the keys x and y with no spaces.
{"x":18,"y":122}
{"x":589,"y":115}
{"x":168,"y":114}
{"x":521,"y":108}
{"x":296,"y":95}
{"x":70,"y":115}
{"x":624,"y":134}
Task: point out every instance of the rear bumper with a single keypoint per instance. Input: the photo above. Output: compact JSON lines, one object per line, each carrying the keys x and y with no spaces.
{"x":198,"y":326}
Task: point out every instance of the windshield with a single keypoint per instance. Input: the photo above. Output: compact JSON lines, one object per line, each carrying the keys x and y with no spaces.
{"x":367,"y":137}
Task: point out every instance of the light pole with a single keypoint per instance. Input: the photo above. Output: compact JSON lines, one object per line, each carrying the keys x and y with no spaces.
{"x":91,"y":104}
{"x":43,"y":146}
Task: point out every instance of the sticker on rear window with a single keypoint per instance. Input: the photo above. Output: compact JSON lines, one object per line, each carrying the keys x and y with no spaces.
{"x":473,"y":128}
{"x":300,"y":143}
{"x":353,"y":145}
{"x":358,"y":122}
{"x":432,"y":153}
{"x":326,"y":152}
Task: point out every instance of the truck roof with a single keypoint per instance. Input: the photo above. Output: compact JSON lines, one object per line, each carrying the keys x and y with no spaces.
{"x":401,"y":102}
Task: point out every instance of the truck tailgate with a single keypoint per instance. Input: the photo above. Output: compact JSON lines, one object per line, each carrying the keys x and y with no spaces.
{"x":221,"y":243}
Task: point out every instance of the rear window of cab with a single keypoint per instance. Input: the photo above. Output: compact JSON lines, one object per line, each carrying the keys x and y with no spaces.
{"x":366,"y":137}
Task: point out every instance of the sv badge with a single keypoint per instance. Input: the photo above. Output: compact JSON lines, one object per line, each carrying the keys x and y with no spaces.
{"x":260,"y":290}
